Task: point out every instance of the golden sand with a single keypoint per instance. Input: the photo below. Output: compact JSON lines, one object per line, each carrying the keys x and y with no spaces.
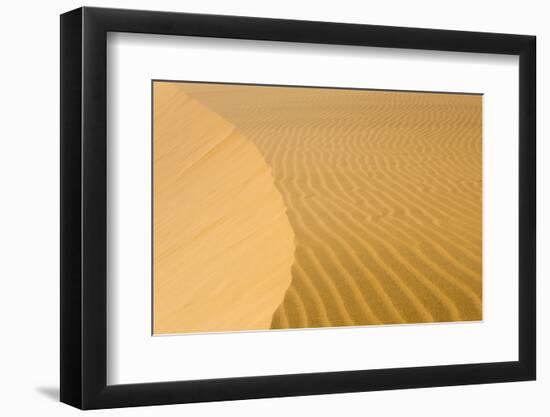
{"x":223,"y":246}
{"x":376,"y":196}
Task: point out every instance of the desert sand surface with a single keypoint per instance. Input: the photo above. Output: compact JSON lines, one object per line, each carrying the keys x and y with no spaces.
{"x":382,"y":193}
{"x":223,"y":245}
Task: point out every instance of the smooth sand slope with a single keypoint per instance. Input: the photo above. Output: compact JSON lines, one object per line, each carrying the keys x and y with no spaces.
{"x":383,"y":194}
{"x":223,"y":246}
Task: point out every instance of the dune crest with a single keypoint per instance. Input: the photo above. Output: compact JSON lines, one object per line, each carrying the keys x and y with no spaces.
{"x":223,"y":245}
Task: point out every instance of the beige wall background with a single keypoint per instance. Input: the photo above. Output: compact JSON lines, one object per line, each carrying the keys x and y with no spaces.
{"x":29,"y":237}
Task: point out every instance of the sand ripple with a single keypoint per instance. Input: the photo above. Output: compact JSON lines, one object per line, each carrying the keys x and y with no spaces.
{"x":383,"y":192}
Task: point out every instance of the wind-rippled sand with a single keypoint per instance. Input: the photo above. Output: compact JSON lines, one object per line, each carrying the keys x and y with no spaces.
{"x":381,"y":192}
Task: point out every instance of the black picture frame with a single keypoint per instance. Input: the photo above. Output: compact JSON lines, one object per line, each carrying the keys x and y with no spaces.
{"x":84,"y":207}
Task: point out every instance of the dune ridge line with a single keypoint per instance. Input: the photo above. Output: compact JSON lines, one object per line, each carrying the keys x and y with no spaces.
{"x":223,"y":245}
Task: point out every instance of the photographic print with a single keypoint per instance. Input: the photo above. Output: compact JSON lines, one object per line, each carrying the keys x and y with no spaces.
{"x":286,"y":207}
{"x":257,"y":208}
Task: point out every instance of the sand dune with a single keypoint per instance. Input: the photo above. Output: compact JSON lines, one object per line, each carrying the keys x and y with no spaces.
{"x":215,"y":204}
{"x":383,"y":194}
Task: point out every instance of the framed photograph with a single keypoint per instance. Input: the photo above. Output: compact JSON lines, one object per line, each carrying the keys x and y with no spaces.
{"x":257,"y":208}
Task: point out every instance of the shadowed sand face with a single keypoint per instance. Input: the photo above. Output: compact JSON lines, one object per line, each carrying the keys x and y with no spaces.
{"x":279,"y":207}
